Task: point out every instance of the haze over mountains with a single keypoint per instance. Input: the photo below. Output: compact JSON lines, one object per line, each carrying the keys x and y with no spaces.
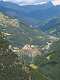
{"x":36,"y":15}
{"x":30,"y":40}
{"x":33,"y":2}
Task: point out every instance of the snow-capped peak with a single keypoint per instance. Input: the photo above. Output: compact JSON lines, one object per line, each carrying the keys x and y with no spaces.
{"x":21,"y":4}
{"x":33,"y":2}
{"x":27,"y":2}
{"x":56,"y":2}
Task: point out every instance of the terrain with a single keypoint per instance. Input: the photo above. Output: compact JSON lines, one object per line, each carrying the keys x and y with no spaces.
{"x":29,"y":42}
{"x":43,"y":13}
{"x":19,"y":32}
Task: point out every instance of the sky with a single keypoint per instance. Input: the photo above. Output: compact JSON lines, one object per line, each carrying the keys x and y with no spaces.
{"x":29,"y":2}
{"x":56,"y":2}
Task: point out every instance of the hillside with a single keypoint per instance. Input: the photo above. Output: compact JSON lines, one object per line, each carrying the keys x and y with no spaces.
{"x":13,"y":64}
{"x":31,"y":14}
{"x":29,"y":41}
{"x":53,"y":27}
{"x":51,"y":68}
{"x":49,"y":63}
{"x":19,"y":33}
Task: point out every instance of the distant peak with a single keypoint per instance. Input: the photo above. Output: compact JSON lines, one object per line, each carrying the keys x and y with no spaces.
{"x":41,"y":3}
{"x":27,"y":2}
{"x":56,"y":2}
{"x":50,"y":3}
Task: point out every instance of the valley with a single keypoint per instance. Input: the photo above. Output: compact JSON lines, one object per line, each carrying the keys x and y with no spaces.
{"x":29,"y":41}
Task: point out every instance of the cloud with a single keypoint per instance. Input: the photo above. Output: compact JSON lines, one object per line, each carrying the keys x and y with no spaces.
{"x":56,"y":2}
{"x":27,"y":1}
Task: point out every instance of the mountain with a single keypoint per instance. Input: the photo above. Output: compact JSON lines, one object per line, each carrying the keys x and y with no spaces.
{"x":17,"y":35}
{"x":52,"y":27}
{"x":51,"y":68}
{"x":33,"y":2}
{"x":20,"y":33}
{"x":56,"y":2}
{"x":10,"y":61}
{"x":32,"y":14}
{"x":25,"y":2}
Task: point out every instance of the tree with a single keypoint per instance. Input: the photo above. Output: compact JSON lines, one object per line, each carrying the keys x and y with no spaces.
{"x":10,"y":67}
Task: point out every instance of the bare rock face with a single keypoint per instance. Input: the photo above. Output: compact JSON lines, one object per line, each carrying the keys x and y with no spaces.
{"x":31,"y":50}
{"x":7,"y":21}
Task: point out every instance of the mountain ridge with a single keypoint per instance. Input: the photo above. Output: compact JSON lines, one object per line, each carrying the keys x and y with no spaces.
{"x":31,"y":14}
{"x":22,"y":3}
{"x":20,"y":33}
